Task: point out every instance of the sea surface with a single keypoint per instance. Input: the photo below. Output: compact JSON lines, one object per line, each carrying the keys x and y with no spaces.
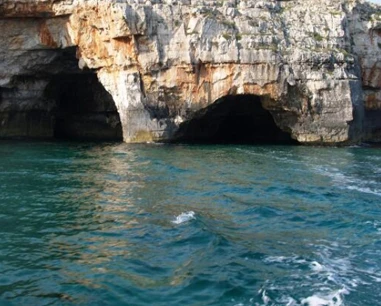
{"x":118,"y":224}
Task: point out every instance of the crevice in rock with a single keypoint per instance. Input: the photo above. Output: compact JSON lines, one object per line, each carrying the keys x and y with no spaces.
{"x":233,"y":119}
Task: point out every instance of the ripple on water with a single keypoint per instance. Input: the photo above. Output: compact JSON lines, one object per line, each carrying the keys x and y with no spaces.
{"x":87,"y":224}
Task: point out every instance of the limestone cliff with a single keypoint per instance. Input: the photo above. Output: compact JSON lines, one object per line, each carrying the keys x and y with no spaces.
{"x":314,"y":64}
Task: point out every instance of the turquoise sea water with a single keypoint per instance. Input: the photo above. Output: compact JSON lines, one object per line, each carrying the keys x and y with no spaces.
{"x":117,"y":224}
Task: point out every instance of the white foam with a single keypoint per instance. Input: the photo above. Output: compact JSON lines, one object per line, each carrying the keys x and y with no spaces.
{"x":365,"y":190}
{"x":376,"y":225}
{"x":284,"y":259}
{"x":271,"y":259}
{"x":290,"y":302}
{"x":184,"y":217}
{"x":334,"y":299}
{"x":265,"y":298}
{"x":376,"y":279}
{"x":315,"y":266}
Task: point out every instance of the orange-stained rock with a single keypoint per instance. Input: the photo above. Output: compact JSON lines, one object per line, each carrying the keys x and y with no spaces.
{"x":17,"y":8}
{"x":45,"y":36}
{"x":319,"y":73}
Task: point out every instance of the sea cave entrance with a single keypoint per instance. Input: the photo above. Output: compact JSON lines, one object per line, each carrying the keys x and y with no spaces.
{"x":81,"y":108}
{"x":233,"y":119}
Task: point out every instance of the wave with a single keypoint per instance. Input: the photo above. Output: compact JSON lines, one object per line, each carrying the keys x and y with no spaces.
{"x":184,"y":217}
{"x":334,"y":298}
{"x":330,"y":273}
{"x":365,"y":190}
{"x":284,"y":259}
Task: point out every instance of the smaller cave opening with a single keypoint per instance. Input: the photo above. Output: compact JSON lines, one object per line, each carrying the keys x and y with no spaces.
{"x":83,"y":109}
{"x":233,"y":119}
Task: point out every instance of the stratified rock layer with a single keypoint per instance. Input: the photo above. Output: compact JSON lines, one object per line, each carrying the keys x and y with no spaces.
{"x":315,"y":64}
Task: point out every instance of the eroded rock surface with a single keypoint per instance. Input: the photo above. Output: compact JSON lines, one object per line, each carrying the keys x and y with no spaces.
{"x":315,"y":64}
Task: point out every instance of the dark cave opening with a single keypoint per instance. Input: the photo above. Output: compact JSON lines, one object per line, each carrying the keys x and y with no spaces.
{"x":239,"y":119}
{"x":82,"y":108}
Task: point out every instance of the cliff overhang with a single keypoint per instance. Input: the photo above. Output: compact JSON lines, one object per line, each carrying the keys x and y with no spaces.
{"x":314,"y":66}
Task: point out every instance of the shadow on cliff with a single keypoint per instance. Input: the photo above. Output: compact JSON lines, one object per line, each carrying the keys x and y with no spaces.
{"x":368,"y":118}
{"x":162,"y":103}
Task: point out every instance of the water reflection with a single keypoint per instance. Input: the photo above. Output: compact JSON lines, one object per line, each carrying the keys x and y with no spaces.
{"x":101,"y":194}
{"x":89,"y":223}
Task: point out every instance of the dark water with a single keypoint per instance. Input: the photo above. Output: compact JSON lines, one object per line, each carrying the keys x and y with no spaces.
{"x":117,"y":224}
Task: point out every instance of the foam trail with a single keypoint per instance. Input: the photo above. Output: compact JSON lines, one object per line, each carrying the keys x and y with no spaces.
{"x":348,"y":182}
{"x":184,"y":217}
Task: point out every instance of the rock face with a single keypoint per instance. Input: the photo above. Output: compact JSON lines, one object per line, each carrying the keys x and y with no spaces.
{"x":315,"y":65}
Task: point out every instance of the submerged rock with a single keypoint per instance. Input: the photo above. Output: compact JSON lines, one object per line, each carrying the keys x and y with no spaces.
{"x":314,"y":65}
